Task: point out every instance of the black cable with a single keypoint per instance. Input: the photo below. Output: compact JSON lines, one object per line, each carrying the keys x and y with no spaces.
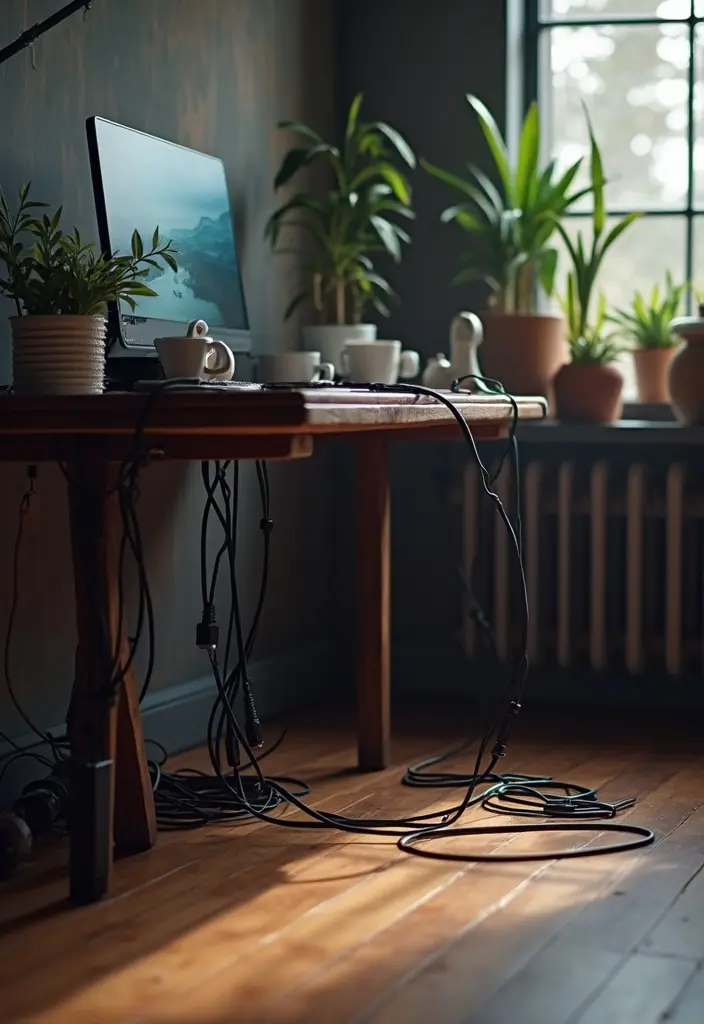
{"x":189,"y":799}
{"x":23,"y":512}
{"x":423,"y":827}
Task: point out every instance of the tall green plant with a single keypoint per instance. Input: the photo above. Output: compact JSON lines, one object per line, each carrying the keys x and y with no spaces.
{"x":647,"y":323}
{"x":48,"y":271}
{"x":353,"y":222}
{"x":584,"y":332}
{"x":511,"y":224}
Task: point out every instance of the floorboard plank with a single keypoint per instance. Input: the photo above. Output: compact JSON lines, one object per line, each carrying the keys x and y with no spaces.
{"x":681,"y":931}
{"x":261,"y":924}
{"x":642,"y":990}
{"x":479,"y":961}
{"x":295,"y":920}
{"x":687,"y":1008}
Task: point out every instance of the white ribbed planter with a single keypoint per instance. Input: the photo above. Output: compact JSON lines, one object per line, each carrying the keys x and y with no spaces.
{"x":330,"y":339}
{"x":58,"y":355}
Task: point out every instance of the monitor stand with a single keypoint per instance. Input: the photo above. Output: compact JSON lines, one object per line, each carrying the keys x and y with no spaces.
{"x":123,"y":371}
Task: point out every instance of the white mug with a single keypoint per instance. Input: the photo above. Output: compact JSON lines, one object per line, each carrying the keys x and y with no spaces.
{"x":195,"y":357}
{"x":293,"y":368}
{"x":378,"y":362}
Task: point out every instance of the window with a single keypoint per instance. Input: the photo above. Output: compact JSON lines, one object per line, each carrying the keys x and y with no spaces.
{"x":637,"y":66}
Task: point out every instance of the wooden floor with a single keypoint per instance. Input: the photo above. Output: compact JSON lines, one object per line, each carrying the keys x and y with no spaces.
{"x":260,"y":923}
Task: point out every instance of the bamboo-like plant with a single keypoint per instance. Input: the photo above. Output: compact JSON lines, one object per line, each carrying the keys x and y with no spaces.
{"x":353,"y":222}
{"x":585,"y":334}
{"x":647,"y":324}
{"x":511,"y":225}
{"x":50,"y":272}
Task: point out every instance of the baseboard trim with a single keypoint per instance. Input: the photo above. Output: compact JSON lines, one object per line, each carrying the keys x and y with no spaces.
{"x":177,"y":716}
{"x":444,"y":672}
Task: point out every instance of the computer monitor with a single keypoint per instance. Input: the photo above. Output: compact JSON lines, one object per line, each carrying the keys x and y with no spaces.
{"x":143,"y":182}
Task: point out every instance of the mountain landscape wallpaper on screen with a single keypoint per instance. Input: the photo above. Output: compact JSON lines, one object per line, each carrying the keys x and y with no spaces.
{"x":149,"y":183}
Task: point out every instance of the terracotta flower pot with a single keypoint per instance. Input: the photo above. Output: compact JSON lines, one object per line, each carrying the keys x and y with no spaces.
{"x":687,"y":377}
{"x":523,"y":350}
{"x":588,"y":392}
{"x":652,"y":368}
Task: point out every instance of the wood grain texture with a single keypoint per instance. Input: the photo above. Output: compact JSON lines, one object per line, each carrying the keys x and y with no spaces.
{"x":217,"y":75}
{"x":317,"y":927}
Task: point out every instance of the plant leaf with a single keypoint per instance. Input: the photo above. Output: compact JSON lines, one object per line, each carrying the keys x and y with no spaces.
{"x":388,"y":236}
{"x":298,"y":158}
{"x":547,"y":270}
{"x":398,"y":142}
{"x":300,"y":129}
{"x":295,"y":302}
{"x":496,"y":145}
{"x":526,"y":181}
{"x":353,"y":117}
{"x":597,"y":180}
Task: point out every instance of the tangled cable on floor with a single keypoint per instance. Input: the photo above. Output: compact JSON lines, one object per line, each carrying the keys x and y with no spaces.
{"x":238,"y":789}
{"x":243,"y":791}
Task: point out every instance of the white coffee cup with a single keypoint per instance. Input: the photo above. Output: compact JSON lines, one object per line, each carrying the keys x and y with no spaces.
{"x":378,"y":362}
{"x":293,"y":368}
{"x":195,"y":357}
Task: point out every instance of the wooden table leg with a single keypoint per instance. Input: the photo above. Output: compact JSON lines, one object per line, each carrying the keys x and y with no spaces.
{"x":373,"y":602}
{"x":107,"y":747}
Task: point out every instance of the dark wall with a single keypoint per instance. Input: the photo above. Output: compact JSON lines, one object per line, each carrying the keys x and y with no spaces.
{"x":415,"y":61}
{"x":215,"y":75}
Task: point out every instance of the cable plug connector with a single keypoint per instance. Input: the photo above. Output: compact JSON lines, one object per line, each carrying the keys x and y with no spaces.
{"x":252,"y":725}
{"x":507,"y":723}
{"x":207,"y":630}
{"x":266,"y":526}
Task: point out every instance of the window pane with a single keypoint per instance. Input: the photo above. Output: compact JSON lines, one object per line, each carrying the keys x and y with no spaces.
{"x":638,"y":260}
{"x":699,"y":114}
{"x":634,"y":82}
{"x":584,"y":9}
{"x":698,"y":259}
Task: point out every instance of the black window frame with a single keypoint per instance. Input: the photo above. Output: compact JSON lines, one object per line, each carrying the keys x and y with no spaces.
{"x":534,"y":26}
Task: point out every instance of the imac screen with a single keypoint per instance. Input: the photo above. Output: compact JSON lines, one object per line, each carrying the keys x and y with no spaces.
{"x":146,"y":183}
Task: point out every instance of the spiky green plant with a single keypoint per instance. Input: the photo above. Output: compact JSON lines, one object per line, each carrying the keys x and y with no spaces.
{"x":647,"y":323}
{"x":595,"y":345}
{"x":353,"y":222}
{"x":584,"y":333}
{"x":511,"y":225}
{"x":48,"y":271}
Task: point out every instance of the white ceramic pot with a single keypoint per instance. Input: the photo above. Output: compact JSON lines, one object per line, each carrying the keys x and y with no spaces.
{"x":330,"y":339}
{"x":58,"y":355}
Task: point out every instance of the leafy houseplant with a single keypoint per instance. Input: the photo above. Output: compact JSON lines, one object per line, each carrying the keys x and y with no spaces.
{"x":590,"y":386}
{"x":347,"y":227}
{"x":647,"y":326}
{"x":61,"y":289}
{"x":511,"y":226}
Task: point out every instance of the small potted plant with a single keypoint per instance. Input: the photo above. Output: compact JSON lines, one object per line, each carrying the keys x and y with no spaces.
{"x":647,"y":326}
{"x":347,"y":227}
{"x":61,"y":289}
{"x":589,"y":386}
{"x":511,"y":227}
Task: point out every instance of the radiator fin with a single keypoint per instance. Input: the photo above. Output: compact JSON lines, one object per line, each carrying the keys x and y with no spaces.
{"x":614,"y":561}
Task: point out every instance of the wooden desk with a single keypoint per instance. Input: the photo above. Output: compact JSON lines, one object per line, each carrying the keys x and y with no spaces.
{"x":93,"y":435}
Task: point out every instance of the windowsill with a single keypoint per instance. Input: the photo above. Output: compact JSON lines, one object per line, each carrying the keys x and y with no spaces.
{"x":642,"y":423}
{"x":653,"y":412}
{"x":625,"y":431}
